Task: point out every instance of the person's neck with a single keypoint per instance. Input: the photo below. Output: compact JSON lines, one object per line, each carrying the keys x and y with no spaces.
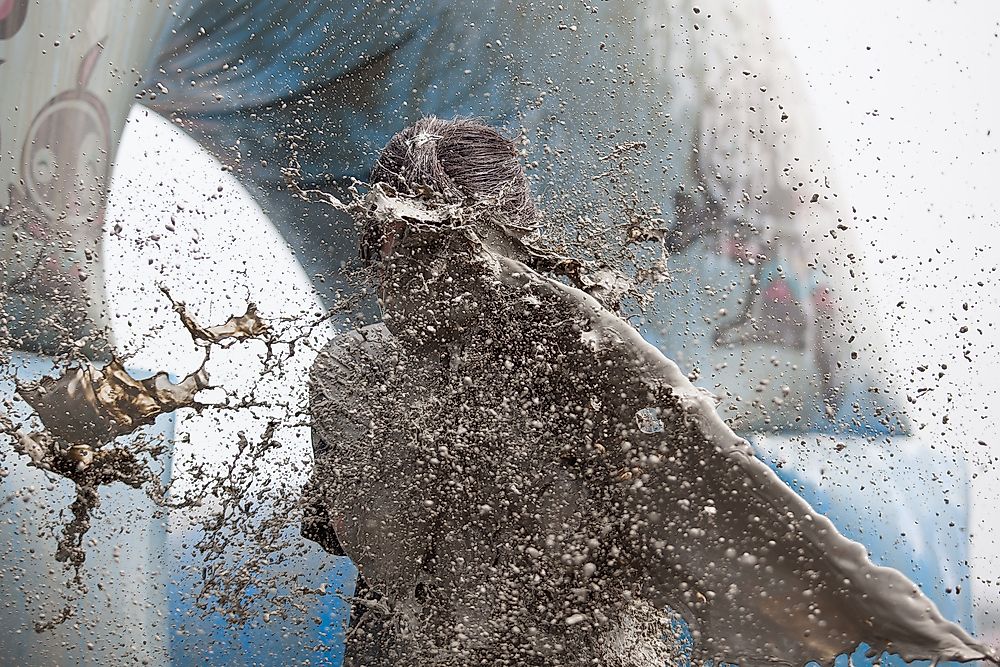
{"x":429,"y":301}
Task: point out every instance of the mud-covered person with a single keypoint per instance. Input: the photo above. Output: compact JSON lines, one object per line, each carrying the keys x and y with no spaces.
{"x":521,"y":479}
{"x":428,"y":499}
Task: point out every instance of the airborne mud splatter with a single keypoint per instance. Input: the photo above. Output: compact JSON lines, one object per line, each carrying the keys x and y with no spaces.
{"x":84,"y":411}
{"x":520,"y":478}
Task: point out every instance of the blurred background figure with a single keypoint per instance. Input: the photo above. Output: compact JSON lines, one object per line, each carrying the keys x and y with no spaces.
{"x":685,"y":120}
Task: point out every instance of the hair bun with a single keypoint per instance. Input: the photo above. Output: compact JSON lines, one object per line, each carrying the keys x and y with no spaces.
{"x":462,"y":162}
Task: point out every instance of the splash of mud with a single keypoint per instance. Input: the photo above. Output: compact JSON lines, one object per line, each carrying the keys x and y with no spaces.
{"x":84,"y":410}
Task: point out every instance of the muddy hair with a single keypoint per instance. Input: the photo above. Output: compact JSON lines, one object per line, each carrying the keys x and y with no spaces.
{"x":468,"y":163}
{"x":460,"y":161}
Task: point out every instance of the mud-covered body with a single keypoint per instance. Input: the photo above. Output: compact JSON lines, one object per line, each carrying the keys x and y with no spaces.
{"x":511,"y":483}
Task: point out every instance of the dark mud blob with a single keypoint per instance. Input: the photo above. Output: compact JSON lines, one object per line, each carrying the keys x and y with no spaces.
{"x":90,"y":470}
{"x":89,"y":467}
{"x":521,"y":479}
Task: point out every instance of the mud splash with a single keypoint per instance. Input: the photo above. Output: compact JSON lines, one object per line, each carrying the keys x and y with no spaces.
{"x":87,"y":408}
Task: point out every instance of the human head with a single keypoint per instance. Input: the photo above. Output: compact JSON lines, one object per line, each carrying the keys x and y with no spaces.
{"x":455,"y":162}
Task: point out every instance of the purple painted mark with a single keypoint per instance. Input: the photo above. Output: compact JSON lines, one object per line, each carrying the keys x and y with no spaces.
{"x":12,"y":13}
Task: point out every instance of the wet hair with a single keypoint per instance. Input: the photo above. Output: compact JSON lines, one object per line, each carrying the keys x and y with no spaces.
{"x":463,"y":162}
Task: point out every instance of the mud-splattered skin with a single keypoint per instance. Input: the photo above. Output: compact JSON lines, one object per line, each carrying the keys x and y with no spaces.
{"x":488,"y":507}
{"x":487,"y":470}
